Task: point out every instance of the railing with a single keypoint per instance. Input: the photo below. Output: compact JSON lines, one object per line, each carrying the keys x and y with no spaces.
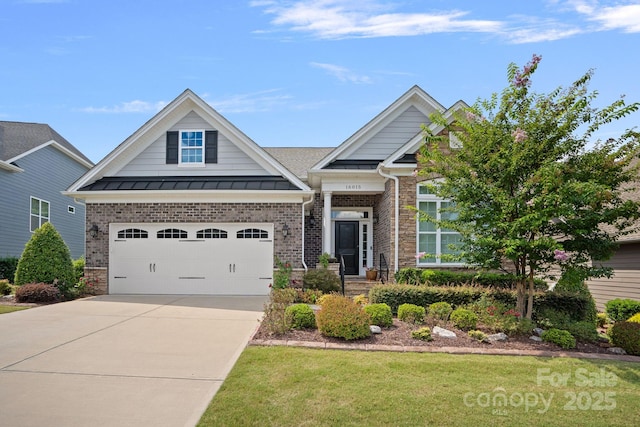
{"x":384,"y":269}
{"x":342,"y":273}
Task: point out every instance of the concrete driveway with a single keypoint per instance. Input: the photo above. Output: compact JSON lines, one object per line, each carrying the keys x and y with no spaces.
{"x":120,"y":360}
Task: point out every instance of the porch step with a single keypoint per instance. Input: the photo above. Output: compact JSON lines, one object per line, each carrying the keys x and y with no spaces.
{"x":358,"y":285}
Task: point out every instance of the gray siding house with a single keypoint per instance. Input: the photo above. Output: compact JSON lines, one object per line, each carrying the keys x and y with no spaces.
{"x":36,"y":165}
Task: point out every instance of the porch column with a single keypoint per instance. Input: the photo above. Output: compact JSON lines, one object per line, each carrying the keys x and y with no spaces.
{"x":326,"y":223}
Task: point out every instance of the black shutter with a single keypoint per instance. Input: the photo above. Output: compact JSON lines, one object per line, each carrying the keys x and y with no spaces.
{"x":211,"y":146}
{"x":172,"y":148}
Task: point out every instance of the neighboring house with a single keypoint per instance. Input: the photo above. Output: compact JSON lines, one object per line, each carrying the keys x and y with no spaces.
{"x":36,"y":166}
{"x":625,"y":282}
{"x":189,"y":204}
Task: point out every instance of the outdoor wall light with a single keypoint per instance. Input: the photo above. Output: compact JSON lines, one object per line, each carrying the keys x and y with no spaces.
{"x":93,"y":231}
{"x":285,"y":230}
{"x":312,"y":221}
{"x":375,"y":219}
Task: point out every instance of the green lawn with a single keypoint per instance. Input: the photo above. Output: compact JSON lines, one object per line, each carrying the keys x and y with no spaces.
{"x":284,"y":386}
{"x":10,"y":308}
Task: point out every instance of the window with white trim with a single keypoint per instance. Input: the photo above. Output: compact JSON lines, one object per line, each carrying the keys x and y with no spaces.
{"x":191,"y":147}
{"x":434,"y":241}
{"x":39,"y":213}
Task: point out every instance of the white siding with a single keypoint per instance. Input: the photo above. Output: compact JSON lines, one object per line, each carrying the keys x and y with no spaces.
{"x":231,"y":160}
{"x":392,"y":136}
{"x":625,"y":282}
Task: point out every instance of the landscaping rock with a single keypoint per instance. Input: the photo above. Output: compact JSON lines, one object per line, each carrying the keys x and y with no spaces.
{"x":497,"y":337}
{"x":441,"y":332}
{"x":375,"y":329}
{"x":538,"y":331}
{"x":535,"y":338}
{"x":616,"y":350}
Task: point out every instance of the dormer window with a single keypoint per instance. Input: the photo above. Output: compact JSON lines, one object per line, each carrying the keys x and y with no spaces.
{"x":192,"y":148}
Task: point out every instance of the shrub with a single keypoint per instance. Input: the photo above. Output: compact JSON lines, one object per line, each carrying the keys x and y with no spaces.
{"x":300,"y":316}
{"x":409,"y":276}
{"x":411,"y":313}
{"x":602,"y":320}
{"x":361,"y":299}
{"x":78,"y":269}
{"x":627,"y":336}
{"x":282,"y":276}
{"x":440,"y":310}
{"x":322,"y":279}
{"x":275,"y":319}
{"x":496,"y":316}
{"x":478,"y":335}
{"x":8,"y":267}
{"x":560,"y":337}
{"x":423,"y":334}
{"x":380,"y":314}
{"x":5,"y":287}
{"x":308,"y":296}
{"x":46,"y":258}
{"x":340,"y":317}
{"x":525,"y":326}
{"x":583,"y":331}
{"x":621,"y":309}
{"x":483,"y":279}
{"x":41,"y":293}
{"x":464,"y":319}
{"x":635,"y":318}
{"x":324,"y":260}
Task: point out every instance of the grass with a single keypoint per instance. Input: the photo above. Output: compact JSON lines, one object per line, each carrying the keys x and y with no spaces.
{"x":285,"y":386}
{"x":9,"y":308}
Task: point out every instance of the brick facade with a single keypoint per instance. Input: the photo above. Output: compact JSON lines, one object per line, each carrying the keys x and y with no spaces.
{"x":101,"y":214}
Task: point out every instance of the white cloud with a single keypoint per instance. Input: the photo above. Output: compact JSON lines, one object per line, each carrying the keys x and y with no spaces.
{"x":335,"y":19}
{"x":625,"y":18}
{"x":343,"y":74}
{"x":136,"y":106}
{"x":260,"y":101}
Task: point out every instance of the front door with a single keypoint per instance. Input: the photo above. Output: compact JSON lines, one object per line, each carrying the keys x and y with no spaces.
{"x":347,"y":238}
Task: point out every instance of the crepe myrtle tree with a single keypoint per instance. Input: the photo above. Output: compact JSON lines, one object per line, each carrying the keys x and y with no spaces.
{"x":529,"y":193}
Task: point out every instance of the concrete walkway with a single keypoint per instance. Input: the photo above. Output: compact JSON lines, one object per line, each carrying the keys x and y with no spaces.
{"x":120,"y":360}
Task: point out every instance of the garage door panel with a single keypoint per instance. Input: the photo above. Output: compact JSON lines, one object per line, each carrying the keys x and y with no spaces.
{"x":206,"y":259}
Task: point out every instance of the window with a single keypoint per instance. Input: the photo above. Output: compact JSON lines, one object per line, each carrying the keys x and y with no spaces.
{"x":211,"y":233}
{"x":39,"y":213}
{"x":133,"y":233}
{"x":191,"y":147}
{"x":71,"y":209}
{"x":434,"y":241}
{"x":252,"y":233}
{"x":171,"y":233}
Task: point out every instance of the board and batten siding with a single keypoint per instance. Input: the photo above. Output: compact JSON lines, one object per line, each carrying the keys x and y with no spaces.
{"x":391,"y":137}
{"x":231,"y":160}
{"x":47,"y":172}
{"x":625,"y":282}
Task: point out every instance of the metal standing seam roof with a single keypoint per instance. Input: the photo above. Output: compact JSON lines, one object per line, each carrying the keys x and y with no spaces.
{"x":163,"y":183}
{"x":354,"y":164}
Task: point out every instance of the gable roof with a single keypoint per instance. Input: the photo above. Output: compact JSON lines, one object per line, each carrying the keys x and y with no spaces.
{"x":298,"y":160}
{"x":157,"y":126}
{"x":19,"y":138}
{"x":414,"y":97}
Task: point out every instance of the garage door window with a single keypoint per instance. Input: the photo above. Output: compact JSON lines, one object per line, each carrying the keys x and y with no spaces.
{"x":172,"y":233}
{"x":211,"y":233}
{"x":252,"y":233}
{"x":133,"y":233}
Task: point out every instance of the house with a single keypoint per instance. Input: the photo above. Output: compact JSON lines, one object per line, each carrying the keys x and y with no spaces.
{"x":189,"y":204}
{"x":625,"y":282}
{"x":36,"y":165}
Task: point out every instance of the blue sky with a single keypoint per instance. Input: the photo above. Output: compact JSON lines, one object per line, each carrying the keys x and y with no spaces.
{"x":295,"y":73}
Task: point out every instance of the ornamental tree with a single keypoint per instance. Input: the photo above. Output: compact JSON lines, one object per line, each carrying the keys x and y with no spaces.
{"x":530,"y":195}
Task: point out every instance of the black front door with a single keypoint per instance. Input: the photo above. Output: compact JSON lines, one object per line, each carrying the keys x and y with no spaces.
{"x":347,"y":238}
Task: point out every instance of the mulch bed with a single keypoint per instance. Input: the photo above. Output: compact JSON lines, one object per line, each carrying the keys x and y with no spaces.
{"x":11,"y":300}
{"x":399,"y":335}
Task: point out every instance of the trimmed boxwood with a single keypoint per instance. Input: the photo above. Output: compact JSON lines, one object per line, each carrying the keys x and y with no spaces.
{"x":300,"y":316}
{"x":621,"y":309}
{"x":627,"y":336}
{"x":464,"y":319}
{"x":560,"y":337}
{"x":411,"y":313}
{"x":341,"y":317}
{"x":417,"y":276}
{"x":380,"y":314}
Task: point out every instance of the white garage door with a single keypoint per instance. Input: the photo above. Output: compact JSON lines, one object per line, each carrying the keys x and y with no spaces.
{"x":203,"y":259}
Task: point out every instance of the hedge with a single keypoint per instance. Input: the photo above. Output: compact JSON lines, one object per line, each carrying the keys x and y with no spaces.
{"x":578,"y":307}
{"x":417,"y":276}
{"x":8,"y":268}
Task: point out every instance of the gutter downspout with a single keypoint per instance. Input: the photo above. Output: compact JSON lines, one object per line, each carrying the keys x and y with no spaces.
{"x":397,"y":209}
{"x":304,"y":204}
